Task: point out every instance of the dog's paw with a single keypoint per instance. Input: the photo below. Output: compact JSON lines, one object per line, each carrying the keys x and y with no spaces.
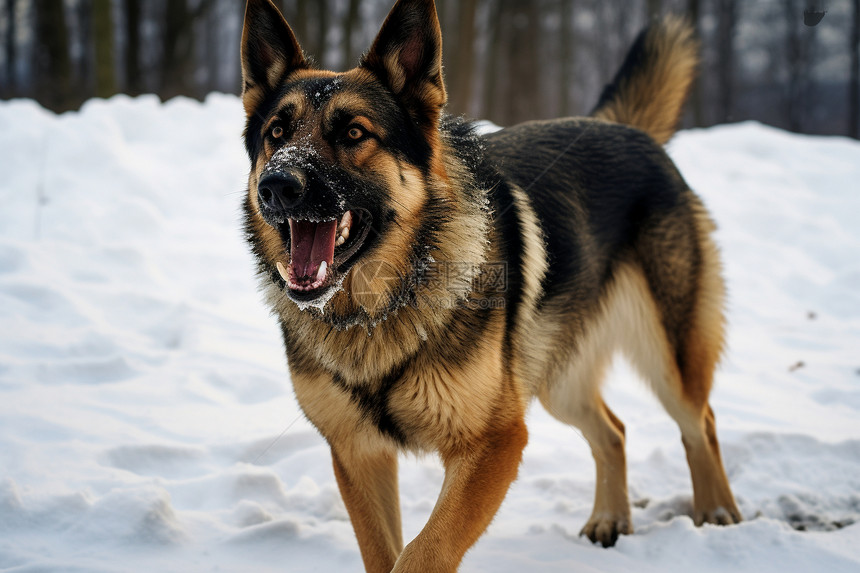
{"x":718,"y":516}
{"x":605,"y":528}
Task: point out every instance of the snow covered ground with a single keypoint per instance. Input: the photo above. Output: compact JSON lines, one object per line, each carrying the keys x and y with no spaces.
{"x":147,"y":422}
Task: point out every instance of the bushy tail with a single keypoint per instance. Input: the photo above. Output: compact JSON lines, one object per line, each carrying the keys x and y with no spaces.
{"x":650,"y":89}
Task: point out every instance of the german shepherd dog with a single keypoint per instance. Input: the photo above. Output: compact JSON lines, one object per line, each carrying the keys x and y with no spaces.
{"x":430,"y":281}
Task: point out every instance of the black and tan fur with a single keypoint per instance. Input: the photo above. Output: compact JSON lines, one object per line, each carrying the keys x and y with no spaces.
{"x":602,"y":248}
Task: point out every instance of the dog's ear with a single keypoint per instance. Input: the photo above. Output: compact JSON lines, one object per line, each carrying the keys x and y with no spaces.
{"x":270,"y":52}
{"x":407,"y":57}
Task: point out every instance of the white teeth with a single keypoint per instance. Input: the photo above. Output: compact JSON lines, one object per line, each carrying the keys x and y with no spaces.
{"x":346,"y":221}
{"x":283,"y":271}
{"x":343,"y":228}
{"x":321,"y":272}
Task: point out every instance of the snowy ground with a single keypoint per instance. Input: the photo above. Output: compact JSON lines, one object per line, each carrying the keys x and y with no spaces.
{"x":147,"y":421}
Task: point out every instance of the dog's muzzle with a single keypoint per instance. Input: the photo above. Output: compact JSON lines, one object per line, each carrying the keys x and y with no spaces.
{"x":322,"y":235}
{"x":279,"y":192}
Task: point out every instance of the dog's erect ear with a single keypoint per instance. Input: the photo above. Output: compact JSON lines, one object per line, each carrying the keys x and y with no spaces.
{"x":407,"y":57}
{"x":270,"y":52}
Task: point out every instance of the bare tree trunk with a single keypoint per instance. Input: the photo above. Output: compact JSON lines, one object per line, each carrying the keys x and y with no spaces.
{"x":449,"y":40}
{"x":653,"y":8}
{"x":301,"y":28}
{"x":608,"y":28}
{"x":854,"y":83}
{"x":178,"y":61}
{"x":507,"y":72}
{"x":133,"y":72}
{"x":287,"y":9}
{"x":233,"y":80}
{"x":566,"y":77}
{"x":491,"y":62}
{"x":52,"y":68}
{"x":442,"y":12}
{"x":322,"y":31}
{"x":447,"y":11}
{"x":350,"y":58}
{"x":522,"y":100}
{"x":697,"y":96}
{"x":726,"y":22}
{"x":9,"y":81}
{"x":461,"y":87}
{"x":797,"y":56}
{"x":83,"y":65}
{"x":212,"y":56}
{"x":104,"y":48}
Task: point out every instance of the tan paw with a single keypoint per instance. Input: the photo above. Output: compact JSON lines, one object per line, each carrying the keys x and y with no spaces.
{"x":718,"y":516}
{"x":606,"y":527}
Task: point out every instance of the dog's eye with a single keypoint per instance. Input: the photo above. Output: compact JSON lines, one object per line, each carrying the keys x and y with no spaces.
{"x":355,"y":133}
{"x":277,"y":132}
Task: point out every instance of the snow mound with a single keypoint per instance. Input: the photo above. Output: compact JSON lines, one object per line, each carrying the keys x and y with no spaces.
{"x":147,"y":421}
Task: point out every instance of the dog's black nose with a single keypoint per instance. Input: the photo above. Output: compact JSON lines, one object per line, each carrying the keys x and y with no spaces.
{"x":280,"y":191}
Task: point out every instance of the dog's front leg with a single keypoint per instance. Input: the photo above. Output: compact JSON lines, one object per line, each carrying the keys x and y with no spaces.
{"x":477,"y":478}
{"x":368,"y":484}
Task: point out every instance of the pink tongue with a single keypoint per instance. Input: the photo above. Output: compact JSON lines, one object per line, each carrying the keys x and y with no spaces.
{"x":310,"y":245}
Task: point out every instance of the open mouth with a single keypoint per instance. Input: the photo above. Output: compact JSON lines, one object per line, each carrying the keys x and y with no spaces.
{"x":322,"y":252}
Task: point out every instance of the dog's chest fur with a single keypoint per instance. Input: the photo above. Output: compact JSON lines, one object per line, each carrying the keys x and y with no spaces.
{"x":424,"y":404}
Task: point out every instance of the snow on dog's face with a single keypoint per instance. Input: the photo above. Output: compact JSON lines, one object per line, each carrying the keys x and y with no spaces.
{"x":344,"y":166}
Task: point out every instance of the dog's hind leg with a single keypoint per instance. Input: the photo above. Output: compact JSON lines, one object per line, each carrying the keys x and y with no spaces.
{"x":575,"y":399}
{"x":610,"y":516}
{"x":712,"y":498}
{"x":713,"y":501}
{"x":677,"y":354}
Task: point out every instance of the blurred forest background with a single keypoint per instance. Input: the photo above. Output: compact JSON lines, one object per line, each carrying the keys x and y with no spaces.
{"x":505,"y":60}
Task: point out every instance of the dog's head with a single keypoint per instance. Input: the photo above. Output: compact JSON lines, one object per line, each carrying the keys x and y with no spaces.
{"x":346,"y":167}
